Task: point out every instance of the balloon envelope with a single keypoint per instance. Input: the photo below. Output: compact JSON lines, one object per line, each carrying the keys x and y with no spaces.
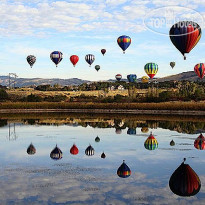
{"x":124,"y":42}
{"x":103,"y":155}
{"x":172,"y":143}
{"x":132,"y":78}
{"x":151,"y":69}
{"x":90,"y":58}
{"x":185,"y":35}
{"x":172,"y":64}
{"x":74,"y":59}
{"x":184,"y":181}
{"x":103,"y":51}
{"x":118,"y":77}
{"x":89,"y":151}
{"x":56,"y":153}
{"x":74,"y":150}
{"x":145,"y":129}
{"x":145,"y":79}
{"x":56,"y":57}
{"x":200,"y":69}
{"x":31,"y":59}
{"x":97,"y":139}
{"x":151,"y":143}
{"x":97,"y":67}
{"x":31,"y":149}
{"x":131,"y":131}
{"x":123,"y":171}
{"x":199,"y":143}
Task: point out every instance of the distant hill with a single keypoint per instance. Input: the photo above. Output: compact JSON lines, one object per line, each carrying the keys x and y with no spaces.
{"x":23,"y":82}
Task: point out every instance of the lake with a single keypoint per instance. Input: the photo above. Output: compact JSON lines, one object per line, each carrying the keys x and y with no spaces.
{"x":77,"y":178}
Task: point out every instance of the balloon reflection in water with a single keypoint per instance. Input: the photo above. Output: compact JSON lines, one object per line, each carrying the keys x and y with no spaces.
{"x":31,"y":150}
{"x":151,"y":143}
{"x":123,"y":171}
{"x":103,"y":155}
{"x":172,"y":143}
{"x":184,"y":181}
{"x":89,"y":151}
{"x":145,"y":129}
{"x":97,"y":139}
{"x":56,"y":153}
{"x":199,"y":143}
{"x":131,"y":131}
{"x":118,"y":131}
{"x":74,"y":150}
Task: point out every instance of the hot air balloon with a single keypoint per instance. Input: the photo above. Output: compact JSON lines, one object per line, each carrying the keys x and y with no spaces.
{"x":97,"y":67}
{"x":184,"y":181}
{"x":124,"y":42}
{"x":74,"y":150}
{"x":199,"y":143}
{"x":185,"y":35}
{"x":123,"y":171}
{"x":103,"y":155}
{"x":200,"y":69}
{"x":151,"y":69}
{"x":31,"y":59}
{"x":90,"y":58}
{"x":118,"y":131}
{"x":131,"y":131}
{"x":151,"y":143}
{"x":103,"y":51}
{"x":74,"y":59}
{"x":118,"y":77}
{"x":172,"y":64}
{"x":97,"y":139}
{"x":56,"y":57}
{"x":145,"y":79}
{"x":31,"y":149}
{"x":132,"y":78}
{"x":145,"y":129}
{"x":56,"y":153}
{"x":172,"y":143}
{"x":89,"y":151}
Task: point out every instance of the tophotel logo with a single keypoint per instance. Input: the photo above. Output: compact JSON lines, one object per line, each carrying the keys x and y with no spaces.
{"x":160,"y":20}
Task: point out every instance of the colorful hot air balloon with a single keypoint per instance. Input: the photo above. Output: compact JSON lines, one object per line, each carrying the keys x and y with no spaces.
{"x":31,"y":149}
{"x":172,"y":64}
{"x":199,"y":143}
{"x":89,"y":151}
{"x":185,"y":35}
{"x":74,"y":150}
{"x":103,"y":51}
{"x":31,"y":59}
{"x":172,"y":143}
{"x":103,"y":155}
{"x":145,"y":129}
{"x":118,"y":77}
{"x":132,"y":78}
{"x":145,"y":79}
{"x":124,"y":42}
{"x":74,"y":59}
{"x":97,"y":139}
{"x":56,"y":57}
{"x":184,"y":181}
{"x":151,"y":143}
{"x":123,"y":171}
{"x":90,"y":58}
{"x":200,"y":69}
{"x":56,"y":153}
{"x":131,"y":131}
{"x":97,"y":67}
{"x":151,"y":69}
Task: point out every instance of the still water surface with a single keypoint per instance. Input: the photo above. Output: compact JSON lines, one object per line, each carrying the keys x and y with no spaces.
{"x":81,"y":179}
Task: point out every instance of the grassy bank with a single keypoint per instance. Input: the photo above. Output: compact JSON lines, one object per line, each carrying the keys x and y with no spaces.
{"x":188,"y":106}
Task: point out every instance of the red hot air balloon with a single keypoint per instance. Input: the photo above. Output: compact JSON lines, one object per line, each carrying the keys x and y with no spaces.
{"x":184,"y":181}
{"x":103,"y":51}
{"x":200,"y":69}
{"x":199,"y":143}
{"x":74,"y":59}
{"x":74,"y":150}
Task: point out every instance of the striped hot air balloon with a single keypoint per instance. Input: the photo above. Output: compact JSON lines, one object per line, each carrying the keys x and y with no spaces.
{"x":124,"y":42}
{"x":184,"y":181}
{"x":123,"y":171}
{"x":31,"y":150}
{"x":56,"y":154}
{"x":118,"y":77}
{"x":199,"y":143}
{"x":56,"y":57}
{"x":200,"y":69}
{"x":90,"y":58}
{"x":151,"y":143}
{"x":185,"y":35}
{"x":89,"y":151}
{"x":74,"y":150}
{"x":151,"y":69}
{"x":31,"y":59}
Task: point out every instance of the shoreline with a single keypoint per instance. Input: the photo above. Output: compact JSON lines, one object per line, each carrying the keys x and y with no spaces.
{"x":108,"y":111}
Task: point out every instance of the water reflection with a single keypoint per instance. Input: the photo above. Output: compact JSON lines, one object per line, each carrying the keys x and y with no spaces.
{"x":123,"y":171}
{"x":56,"y":153}
{"x":89,"y":151}
{"x":74,"y":150}
{"x":31,"y":150}
{"x":151,"y":143}
{"x":199,"y":143}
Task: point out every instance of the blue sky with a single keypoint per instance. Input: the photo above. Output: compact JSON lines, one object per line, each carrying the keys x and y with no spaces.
{"x":85,"y":27}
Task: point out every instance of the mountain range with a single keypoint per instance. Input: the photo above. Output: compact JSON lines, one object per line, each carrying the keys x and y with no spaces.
{"x":23,"y":82}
